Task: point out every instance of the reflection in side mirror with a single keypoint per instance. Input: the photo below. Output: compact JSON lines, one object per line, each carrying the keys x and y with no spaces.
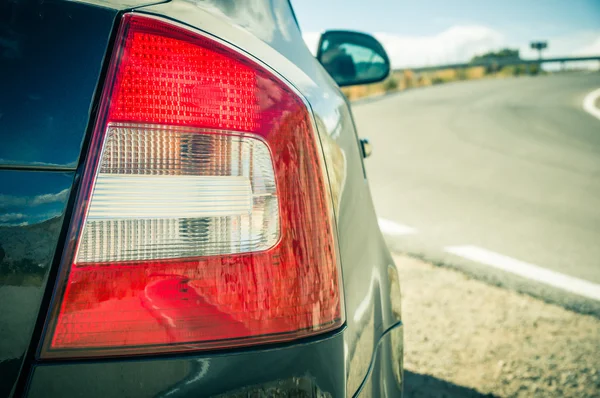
{"x":353,"y":58}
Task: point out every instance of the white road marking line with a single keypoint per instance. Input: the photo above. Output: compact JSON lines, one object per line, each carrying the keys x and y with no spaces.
{"x":589,"y":103}
{"x":526,"y":270}
{"x":389,"y":227}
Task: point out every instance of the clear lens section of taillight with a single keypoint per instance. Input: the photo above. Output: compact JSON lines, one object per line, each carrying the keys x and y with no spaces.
{"x":177,"y":192}
{"x":203,"y":219}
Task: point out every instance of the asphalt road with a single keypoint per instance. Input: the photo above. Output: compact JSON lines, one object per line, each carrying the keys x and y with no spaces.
{"x":505,"y":170}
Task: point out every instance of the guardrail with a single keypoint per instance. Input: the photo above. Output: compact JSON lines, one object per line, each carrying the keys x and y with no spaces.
{"x":500,"y":63}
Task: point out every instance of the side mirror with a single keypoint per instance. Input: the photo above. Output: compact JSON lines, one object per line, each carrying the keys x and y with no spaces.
{"x":353,"y":58}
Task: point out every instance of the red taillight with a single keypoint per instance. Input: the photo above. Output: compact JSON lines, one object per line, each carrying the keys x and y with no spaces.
{"x":203,"y":219}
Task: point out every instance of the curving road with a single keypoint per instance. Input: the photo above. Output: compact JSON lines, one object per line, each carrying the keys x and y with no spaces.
{"x":500,"y":178}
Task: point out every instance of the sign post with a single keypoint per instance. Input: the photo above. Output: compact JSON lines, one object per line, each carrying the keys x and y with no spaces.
{"x":539,"y":46}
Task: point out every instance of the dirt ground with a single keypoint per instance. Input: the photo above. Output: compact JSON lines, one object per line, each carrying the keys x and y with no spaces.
{"x":464,"y":338}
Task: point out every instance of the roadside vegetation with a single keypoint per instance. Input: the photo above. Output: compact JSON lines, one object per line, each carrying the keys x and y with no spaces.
{"x":407,"y":79}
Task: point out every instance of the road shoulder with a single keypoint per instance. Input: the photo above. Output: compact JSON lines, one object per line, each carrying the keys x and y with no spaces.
{"x":463,"y":331}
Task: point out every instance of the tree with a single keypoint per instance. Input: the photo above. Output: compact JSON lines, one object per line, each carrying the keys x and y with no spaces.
{"x":506,"y":54}
{"x":390,"y":84}
{"x":492,"y":59}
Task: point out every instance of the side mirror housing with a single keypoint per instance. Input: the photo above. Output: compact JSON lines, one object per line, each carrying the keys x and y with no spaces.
{"x":353,"y":58}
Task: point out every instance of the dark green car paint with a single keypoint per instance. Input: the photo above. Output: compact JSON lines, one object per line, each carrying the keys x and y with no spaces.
{"x":52,"y":56}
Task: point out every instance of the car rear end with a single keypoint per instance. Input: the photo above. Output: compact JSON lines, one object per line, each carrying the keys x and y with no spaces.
{"x":169,"y":224}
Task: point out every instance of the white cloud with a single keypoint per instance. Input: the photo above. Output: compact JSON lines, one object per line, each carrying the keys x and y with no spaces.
{"x":312,"y":41}
{"x":591,"y":49}
{"x":7,"y":201}
{"x":457,"y":44}
{"x":11,"y":217}
{"x":50,"y":197}
{"x":460,"y":43}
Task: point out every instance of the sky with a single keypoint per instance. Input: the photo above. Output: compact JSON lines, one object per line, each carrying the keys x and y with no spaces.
{"x":431,"y":32}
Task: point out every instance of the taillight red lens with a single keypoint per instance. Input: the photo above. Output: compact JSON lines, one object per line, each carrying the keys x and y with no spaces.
{"x":204,"y":218}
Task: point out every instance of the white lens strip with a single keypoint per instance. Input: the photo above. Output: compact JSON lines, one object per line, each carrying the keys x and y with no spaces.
{"x":119,"y":196}
{"x":165,"y":192}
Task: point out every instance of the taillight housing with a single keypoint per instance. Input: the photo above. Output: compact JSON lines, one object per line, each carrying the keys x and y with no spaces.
{"x":203,"y":219}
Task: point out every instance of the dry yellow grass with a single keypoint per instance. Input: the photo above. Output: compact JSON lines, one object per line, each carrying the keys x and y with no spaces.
{"x":410,"y":79}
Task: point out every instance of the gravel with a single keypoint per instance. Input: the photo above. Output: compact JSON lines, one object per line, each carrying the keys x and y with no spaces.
{"x":466,"y":338}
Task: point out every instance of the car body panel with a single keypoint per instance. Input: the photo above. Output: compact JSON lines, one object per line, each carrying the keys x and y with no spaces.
{"x":266,"y":30}
{"x":121,"y":5}
{"x":32,"y":208}
{"x":51,"y":60}
{"x":385,"y":377}
{"x":256,"y":28}
{"x":306,"y":367}
{"x":52,"y":54}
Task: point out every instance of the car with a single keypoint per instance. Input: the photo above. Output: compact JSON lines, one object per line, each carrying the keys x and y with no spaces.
{"x":185,"y":208}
